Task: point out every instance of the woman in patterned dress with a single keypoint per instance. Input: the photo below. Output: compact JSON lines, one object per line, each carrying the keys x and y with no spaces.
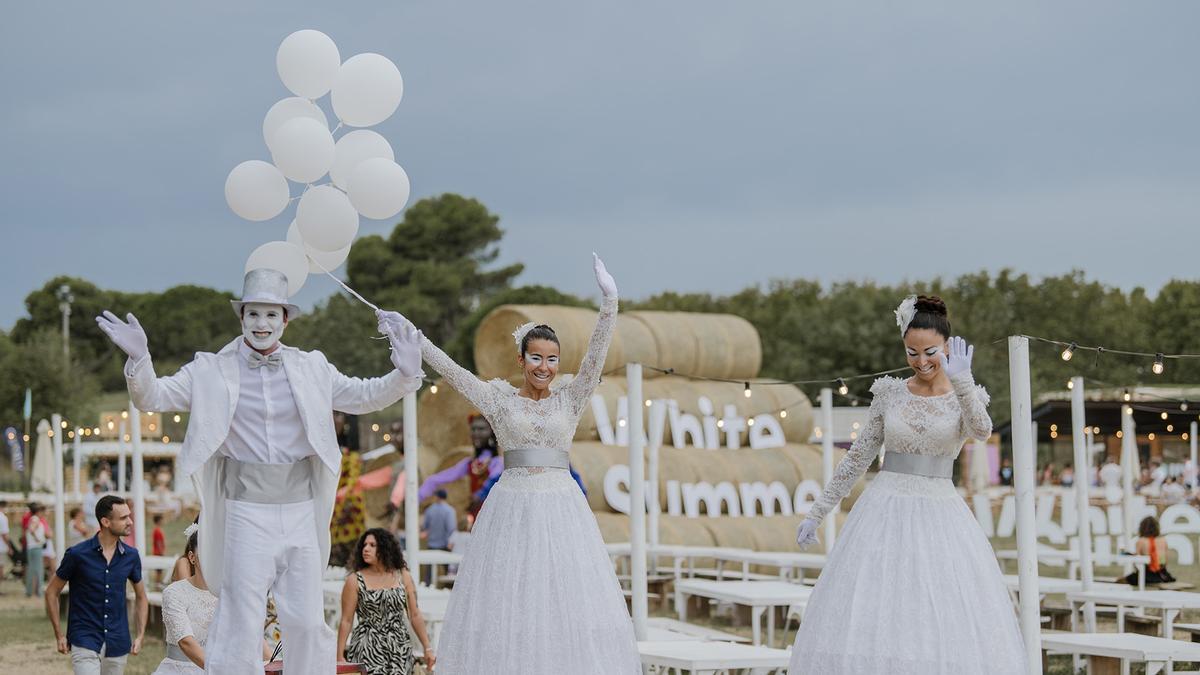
{"x":536,"y":593}
{"x":375,"y":601}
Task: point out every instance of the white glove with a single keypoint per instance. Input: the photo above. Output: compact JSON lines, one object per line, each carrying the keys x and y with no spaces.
{"x":130,"y":337}
{"x":608,"y":285}
{"x":959,"y":360}
{"x":806,"y":534}
{"x":405,"y":340}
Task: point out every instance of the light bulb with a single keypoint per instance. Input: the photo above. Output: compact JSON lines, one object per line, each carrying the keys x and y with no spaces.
{"x":1069,"y":352}
{"x":1164,"y":415}
{"x":720,"y":424}
{"x":783,"y":414}
{"x":1127,"y":396}
{"x":747,"y":393}
{"x":1070,"y":384}
{"x":1158,"y":364}
{"x":433,"y":388}
{"x":1150,"y":435}
{"x":64,"y":424}
{"x":374,"y":427}
{"x":1120,"y":434}
{"x":647,"y":403}
{"x":178,"y":419}
{"x":750,"y":422}
{"x":1183,"y":407}
{"x":842,"y":388}
{"x":166,"y":439}
{"x":1170,"y":428}
{"x":124,"y":414}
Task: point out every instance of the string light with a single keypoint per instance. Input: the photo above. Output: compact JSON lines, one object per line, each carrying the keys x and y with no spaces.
{"x":647,"y":403}
{"x":96,"y":431}
{"x":1069,"y":351}
{"x":783,"y":414}
{"x":166,"y":439}
{"x":1158,"y":364}
{"x":63,"y":424}
{"x":374,"y":427}
{"x":1095,"y":430}
{"x":1164,"y":415}
{"x":433,"y":388}
{"x":750,"y":422}
{"x":1128,"y":410}
{"x":1170,"y":428}
{"x":178,"y":419}
{"x":1053,"y":434}
{"x":1150,"y":435}
{"x":50,"y":433}
{"x":621,"y":423}
{"x":1070,"y":384}
{"x":1120,"y":434}
{"x":1053,"y":427}
{"x":1127,"y":396}
{"x":720,"y":424}
{"x":1183,"y":406}
{"x":387,"y":438}
{"x":110,"y":425}
{"x":842,"y":388}
{"x":124,"y":414}
{"x":746,"y":392}
{"x":70,"y":434}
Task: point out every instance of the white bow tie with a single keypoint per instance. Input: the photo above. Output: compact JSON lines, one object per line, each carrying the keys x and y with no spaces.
{"x":273,"y":360}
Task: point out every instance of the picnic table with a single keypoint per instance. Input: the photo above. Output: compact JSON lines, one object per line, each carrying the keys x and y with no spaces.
{"x":698,"y":658}
{"x":433,"y":558}
{"x":1170,"y":603}
{"x":1157,"y":653}
{"x":759,"y":596}
{"x":1058,"y":556}
{"x":691,"y":629}
{"x":786,"y":561}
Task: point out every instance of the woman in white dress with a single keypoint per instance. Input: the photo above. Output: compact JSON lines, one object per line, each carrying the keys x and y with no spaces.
{"x":187,"y":611}
{"x":536,"y":593}
{"x":912,"y":584}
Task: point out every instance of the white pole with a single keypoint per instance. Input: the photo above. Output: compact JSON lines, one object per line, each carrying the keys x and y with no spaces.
{"x":122,"y":448}
{"x":1192,"y":441}
{"x":137,"y":472}
{"x":1083,"y":473}
{"x":77,"y":460}
{"x":1024,"y":466}
{"x":637,"y":498}
{"x":656,"y":422}
{"x":827,"y":462}
{"x":412,"y":505}
{"x":1128,"y":448}
{"x":60,"y":530}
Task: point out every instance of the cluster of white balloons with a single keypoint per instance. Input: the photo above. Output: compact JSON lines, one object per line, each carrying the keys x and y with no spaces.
{"x":364,"y":177}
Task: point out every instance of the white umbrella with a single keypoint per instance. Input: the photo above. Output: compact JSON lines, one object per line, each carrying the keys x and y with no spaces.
{"x":42,"y":478}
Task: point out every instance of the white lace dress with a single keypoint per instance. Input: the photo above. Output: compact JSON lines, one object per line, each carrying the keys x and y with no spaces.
{"x":186,"y":610}
{"x":536,"y":593}
{"x":912,"y":585}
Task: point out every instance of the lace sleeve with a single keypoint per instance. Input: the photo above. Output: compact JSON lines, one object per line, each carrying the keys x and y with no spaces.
{"x":579,"y":390}
{"x":481,"y":394}
{"x":858,"y":458}
{"x":176,"y":624}
{"x":973,"y":400}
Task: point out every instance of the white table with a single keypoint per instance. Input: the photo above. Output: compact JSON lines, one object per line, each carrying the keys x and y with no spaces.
{"x":786,"y":561}
{"x":691,"y":629}
{"x":759,"y":596}
{"x":1157,"y":653}
{"x":1056,"y":556}
{"x":709,"y":657}
{"x":1170,"y":603}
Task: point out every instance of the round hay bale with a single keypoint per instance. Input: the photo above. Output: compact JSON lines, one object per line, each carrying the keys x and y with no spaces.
{"x":611,"y":389}
{"x":614,"y":527}
{"x":592,"y":460}
{"x":442,"y":419}
{"x":637,"y":343}
{"x":676,"y":349}
{"x":807,"y":459}
{"x":673,"y":464}
{"x":743,"y":362}
{"x":729,"y":532}
{"x":496,"y":353}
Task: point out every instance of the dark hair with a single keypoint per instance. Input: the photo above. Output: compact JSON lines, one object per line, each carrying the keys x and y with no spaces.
{"x":192,"y":542}
{"x":157,"y":518}
{"x":387,"y":549}
{"x":104,"y":507}
{"x":441,"y":494}
{"x":1148,"y":527}
{"x":74,"y":510}
{"x":931,"y":314}
{"x":538,"y":332}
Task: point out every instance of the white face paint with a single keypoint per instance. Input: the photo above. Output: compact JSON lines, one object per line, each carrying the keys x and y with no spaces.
{"x":262,"y":325}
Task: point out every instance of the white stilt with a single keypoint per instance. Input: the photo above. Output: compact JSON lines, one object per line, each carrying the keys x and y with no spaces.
{"x":1024,"y":467}
{"x":137,"y":472}
{"x":827,"y":462}
{"x":1128,"y":452}
{"x":412,"y":504}
{"x":60,"y":519}
{"x":1083,"y":473}
{"x":637,"y":497}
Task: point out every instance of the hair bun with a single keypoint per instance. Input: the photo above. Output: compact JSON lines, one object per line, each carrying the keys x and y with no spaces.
{"x":932,"y":304}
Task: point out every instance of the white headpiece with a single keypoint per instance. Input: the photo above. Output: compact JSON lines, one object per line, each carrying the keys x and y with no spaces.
{"x":520,"y":333}
{"x":191,"y":529}
{"x":905,"y":313}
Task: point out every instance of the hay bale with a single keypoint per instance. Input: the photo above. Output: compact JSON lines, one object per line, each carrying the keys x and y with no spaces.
{"x":707,"y":345}
{"x":614,"y":527}
{"x":592,"y":460}
{"x":442,"y":420}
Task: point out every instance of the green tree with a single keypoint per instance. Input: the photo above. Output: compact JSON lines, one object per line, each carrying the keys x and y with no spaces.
{"x":434,"y":267}
{"x":38,"y":364}
{"x":342,"y":328}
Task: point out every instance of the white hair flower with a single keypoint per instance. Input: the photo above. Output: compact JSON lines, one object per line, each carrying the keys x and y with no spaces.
{"x":520,"y":333}
{"x":191,"y":529}
{"x":905,"y":313}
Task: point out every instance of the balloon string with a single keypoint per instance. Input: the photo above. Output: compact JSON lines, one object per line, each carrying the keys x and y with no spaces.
{"x":341,"y":283}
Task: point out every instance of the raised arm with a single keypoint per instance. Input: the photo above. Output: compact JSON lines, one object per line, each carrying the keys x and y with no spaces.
{"x":975,"y":421}
{"x":579,"y":390}
{"x":147,"y":391}
{"x":478,"y":392}
{"x":358,"y":395}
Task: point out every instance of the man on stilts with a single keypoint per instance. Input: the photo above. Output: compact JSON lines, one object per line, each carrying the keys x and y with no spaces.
{"x":262,"y":453}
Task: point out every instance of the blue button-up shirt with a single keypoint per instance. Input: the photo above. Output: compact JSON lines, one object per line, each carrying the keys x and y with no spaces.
{"x":97,"y":611}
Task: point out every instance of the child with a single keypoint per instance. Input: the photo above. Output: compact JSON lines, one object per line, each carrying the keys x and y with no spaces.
{"x":158,"y":544}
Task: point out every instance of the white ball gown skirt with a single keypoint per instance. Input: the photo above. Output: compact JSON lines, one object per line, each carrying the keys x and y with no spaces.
{"x":912,"y":586}
{"x":536,"y":592}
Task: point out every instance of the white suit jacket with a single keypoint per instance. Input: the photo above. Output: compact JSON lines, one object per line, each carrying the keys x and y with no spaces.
{"x":208,"y":388}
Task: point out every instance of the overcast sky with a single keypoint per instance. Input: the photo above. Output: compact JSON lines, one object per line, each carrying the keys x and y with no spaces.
{"x":697,"y":145}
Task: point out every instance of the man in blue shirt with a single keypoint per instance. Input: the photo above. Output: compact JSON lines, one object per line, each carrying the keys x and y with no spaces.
{"x":97,"y":635}
{"x":439,"y":522}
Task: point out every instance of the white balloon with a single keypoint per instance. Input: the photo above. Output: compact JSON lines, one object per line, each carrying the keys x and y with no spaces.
{"x":287,"y":109}
{"x":256,"y":190}
{"x":326,"y":220}
{"x":367,"y":91}
{"x":308,"y":63}
{"x":284,"y":257}
{"x":378,"y":188}
{"x":352,"y":149}
{"x":302,"y":149}
{"x":318,"y":261}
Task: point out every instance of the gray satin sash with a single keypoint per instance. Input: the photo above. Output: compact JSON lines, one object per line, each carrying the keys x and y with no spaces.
{"x":176,"y":654}
{"x":918,"y":465}
{"x":267,"y":483}
{"x":529,"y":457}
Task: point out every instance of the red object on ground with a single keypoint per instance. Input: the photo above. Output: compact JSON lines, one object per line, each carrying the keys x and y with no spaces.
{"x":160,"y":542}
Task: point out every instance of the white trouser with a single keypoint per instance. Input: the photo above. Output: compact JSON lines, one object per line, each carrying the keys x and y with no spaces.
{"x":88,"y":662}
{"x":270,"y":547}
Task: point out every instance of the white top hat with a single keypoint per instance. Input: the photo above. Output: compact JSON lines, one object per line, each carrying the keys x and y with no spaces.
{"x":268,"y":287}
